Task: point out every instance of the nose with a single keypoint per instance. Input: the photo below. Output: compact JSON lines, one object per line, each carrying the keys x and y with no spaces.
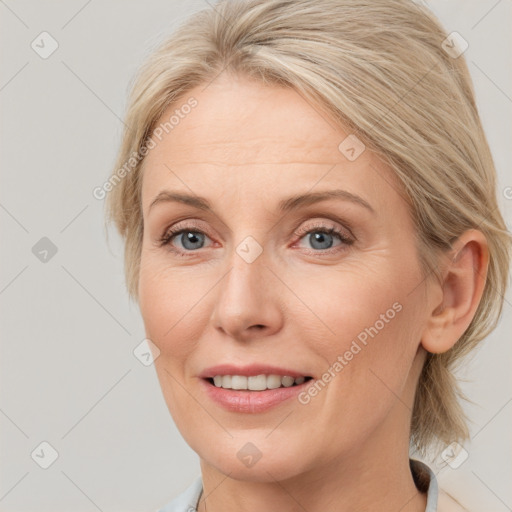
{"x":247,"y":304}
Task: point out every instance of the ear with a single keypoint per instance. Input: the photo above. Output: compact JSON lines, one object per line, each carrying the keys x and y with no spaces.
{"x":464,"y":273}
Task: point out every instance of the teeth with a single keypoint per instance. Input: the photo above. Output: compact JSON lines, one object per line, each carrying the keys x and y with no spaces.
{"x":273,"y":381}
{"x":257,"y":382}
{"x":287,"y":381}
{"x":238,"y":382}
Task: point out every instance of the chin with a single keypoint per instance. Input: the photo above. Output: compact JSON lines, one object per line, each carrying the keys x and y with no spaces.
{"x":256,"y":460}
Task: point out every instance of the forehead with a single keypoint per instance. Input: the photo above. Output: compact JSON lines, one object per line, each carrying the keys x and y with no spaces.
{"x":243,"y":115}
{"x":243,"y":134}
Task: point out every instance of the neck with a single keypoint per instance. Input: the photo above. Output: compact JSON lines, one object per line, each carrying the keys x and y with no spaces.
{"x":376,"y":475}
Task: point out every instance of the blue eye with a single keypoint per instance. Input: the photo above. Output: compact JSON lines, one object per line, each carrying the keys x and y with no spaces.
{"x":190,"y":239}
{"x":324,"y":239}
{"x":320,"y":237}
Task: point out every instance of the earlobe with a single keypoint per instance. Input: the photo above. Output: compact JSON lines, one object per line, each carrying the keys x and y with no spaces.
{"x":464,"y":273}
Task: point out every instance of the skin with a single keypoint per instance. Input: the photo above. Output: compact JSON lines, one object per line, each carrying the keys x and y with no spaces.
{"x":245,"y":147}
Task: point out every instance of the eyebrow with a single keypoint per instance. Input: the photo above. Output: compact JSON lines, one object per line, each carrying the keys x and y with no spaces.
{"x":286,"y":205}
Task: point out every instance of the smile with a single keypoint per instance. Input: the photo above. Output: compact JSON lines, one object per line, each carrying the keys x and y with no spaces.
{"x":256,"y":382}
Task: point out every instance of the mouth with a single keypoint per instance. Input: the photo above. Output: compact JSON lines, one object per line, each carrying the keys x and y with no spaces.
{"x":262,"y":382}
{"x":236,"y":393}
{"x":255,"y":388}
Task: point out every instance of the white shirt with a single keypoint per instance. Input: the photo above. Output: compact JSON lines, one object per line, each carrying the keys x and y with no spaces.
{"x":188,"y":500}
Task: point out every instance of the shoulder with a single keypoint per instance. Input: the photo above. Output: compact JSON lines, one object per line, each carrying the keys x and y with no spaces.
{"x":187,"y":501}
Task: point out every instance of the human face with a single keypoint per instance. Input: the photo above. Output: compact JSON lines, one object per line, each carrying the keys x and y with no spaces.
{"x":254,"y":289}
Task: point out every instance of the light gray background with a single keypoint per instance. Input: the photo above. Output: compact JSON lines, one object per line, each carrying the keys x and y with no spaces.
{"x":68,"y":374}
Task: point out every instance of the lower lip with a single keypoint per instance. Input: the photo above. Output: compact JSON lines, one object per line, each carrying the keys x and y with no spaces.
{"x":250,"y":401}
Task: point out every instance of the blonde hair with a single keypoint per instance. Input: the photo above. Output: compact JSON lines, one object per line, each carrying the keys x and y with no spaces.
{"x":379,"y":69}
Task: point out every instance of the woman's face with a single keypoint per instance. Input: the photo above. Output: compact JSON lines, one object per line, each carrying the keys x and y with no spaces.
{"x":262,"y":282}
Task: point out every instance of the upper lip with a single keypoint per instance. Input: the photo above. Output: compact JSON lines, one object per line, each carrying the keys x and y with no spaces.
{"x":249,"y":371}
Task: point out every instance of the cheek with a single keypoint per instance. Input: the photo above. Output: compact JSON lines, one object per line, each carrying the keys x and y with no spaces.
{"x":370,"y":321}
{"x":169,"y":306}
{"x":168,"y":302}
{"x":346,"y":302}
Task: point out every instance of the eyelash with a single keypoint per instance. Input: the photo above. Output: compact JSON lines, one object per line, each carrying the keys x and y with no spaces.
{"x":300,"y":233}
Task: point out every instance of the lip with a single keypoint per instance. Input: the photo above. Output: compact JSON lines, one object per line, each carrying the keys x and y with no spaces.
{"x":245,"y":401}
{"x":249,"y":371}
